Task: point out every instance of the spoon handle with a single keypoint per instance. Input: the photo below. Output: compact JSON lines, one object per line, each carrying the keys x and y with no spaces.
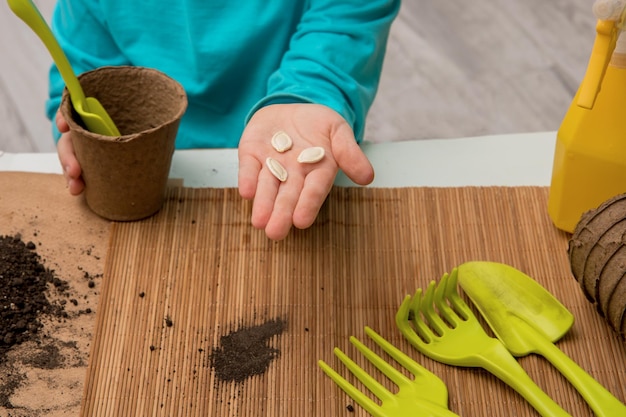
{"x":28,"y":12}
{"x":601,"y":401}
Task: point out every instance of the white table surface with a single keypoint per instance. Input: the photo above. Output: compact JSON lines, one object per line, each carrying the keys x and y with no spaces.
{"x":507,"y":160}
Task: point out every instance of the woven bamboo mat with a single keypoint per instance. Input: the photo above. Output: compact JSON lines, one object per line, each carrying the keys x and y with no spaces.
{"x":176,"y":283}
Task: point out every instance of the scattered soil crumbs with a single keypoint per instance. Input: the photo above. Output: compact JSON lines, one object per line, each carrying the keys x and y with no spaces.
{"x":47,"y":357}
{"x":9,"y":382}
{"x":24,"y":282}
{"x":246,"y":352}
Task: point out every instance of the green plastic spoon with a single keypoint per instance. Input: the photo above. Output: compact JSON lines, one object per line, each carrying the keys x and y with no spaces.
{"x":96,"y":119}
{"x":527,"y":319}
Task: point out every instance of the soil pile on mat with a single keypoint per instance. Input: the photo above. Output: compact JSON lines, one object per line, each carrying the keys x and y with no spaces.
{"x":246,"y":352}
{"x":24,"y":282}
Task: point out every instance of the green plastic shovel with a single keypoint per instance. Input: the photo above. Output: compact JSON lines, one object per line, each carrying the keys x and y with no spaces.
{"x":96,"y":119}
{"x":528,"y":319}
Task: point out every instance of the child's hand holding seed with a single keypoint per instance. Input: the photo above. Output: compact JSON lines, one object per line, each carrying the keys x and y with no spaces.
{"x":279,"y":205}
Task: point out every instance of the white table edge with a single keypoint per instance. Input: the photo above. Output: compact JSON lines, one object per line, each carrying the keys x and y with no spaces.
{"x":522,"y":159}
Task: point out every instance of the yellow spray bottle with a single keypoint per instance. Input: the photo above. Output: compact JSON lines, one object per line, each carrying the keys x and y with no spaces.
{"x":590,"y":155}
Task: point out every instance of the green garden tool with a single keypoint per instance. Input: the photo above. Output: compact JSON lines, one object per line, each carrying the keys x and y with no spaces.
{"x":441,"y":325}
{"x":528,"y":319}
{"x":423,"y":395}
{"x":95,"y":117}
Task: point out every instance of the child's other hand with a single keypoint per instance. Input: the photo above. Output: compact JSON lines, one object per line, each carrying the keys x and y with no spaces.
{"x":69,"y":163}
{"x":279,"y":205}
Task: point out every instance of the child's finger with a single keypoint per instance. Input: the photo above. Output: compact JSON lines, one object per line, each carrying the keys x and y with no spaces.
{"x":61,"y":122}
{"x":248,"y":176}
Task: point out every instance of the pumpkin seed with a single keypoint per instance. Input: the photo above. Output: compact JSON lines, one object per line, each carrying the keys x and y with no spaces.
{"x":276,"y":169}
{"x":281,"y":141}
{"x":311,"y":155}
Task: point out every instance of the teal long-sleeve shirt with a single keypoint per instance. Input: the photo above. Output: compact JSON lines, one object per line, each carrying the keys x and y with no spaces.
{"x":233,"y":58}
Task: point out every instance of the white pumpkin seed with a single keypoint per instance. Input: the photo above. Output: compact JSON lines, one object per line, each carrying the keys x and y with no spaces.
{"x":311,"y":155}
{"x":276,"y":169}
{"x":281,"y":141}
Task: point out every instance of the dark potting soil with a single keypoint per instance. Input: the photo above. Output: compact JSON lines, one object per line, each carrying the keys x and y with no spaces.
{"x":246,"y":352}
{"x":24,"y":283}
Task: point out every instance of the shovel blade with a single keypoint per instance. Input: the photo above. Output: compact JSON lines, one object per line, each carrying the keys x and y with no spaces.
{"x":511,"y":301}
{"x":96,"y":119}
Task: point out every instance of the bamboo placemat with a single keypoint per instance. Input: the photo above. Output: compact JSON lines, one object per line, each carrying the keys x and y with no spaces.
{"x":176,"y":283}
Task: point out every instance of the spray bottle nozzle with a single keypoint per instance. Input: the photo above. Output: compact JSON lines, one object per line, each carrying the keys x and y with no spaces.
{"x":608,"y":9}
{"x":611,"y":15}
{"x":603,"y":46}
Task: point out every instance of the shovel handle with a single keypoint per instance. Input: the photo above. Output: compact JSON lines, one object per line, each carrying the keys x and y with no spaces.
{"x":601,"y":401}
{"x":498,"y":361}
{"x":28,"y":12}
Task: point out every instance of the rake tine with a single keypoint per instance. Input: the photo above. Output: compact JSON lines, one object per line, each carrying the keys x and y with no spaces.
{"x":443,"y":293}
{"x":416,"y":301}
{"x":403,"y":316}
{"x":400,"y":357}
{"x":392,"y":373}
{"x":352,"y":391}
{"x":455,"y":299}
{"x":428,"y":309}
{"x":374,"y":386}
{"x":412,"y":307}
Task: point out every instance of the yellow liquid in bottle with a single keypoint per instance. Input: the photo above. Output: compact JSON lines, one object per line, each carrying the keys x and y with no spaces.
{"x":590,"y":155}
